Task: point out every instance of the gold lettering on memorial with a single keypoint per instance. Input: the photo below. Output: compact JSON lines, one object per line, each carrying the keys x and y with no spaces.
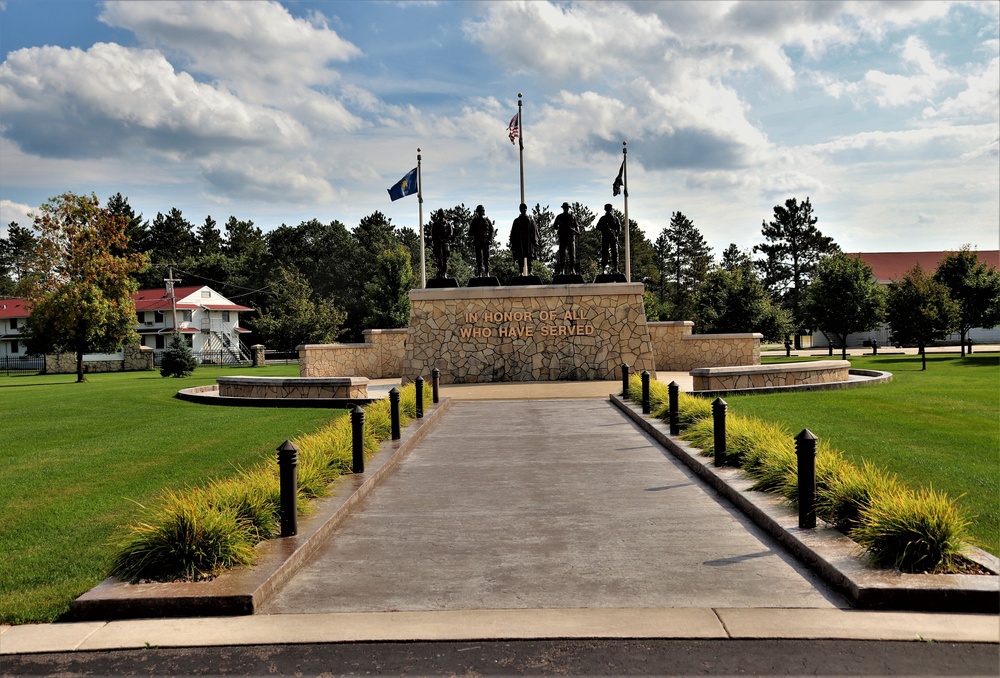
{"x":519,"y":324}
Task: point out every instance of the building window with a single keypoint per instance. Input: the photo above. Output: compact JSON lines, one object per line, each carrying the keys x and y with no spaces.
{"x":186,"y":317}
{"x":225,"y":316}
{"x":159,"y":341}
{"x":141,"y":316}
{"x":205,"y":294}
{"x":190,"y":340}
{"x":13,"y":325}
{"x":13,"y":346}
{"x":158,"y":317}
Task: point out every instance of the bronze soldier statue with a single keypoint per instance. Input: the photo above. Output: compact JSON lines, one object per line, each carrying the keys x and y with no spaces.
{"x":481,"y":230}
{"x":441,"y":233}
{"x":610,"y":229}
{"x":567,"y":229}
{"x":523,"y":240}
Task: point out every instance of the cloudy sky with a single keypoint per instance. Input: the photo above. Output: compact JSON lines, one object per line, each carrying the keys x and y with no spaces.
{"x":886,"y":115}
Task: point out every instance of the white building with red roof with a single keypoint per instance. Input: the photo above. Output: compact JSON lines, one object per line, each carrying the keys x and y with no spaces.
{"x":207,"y":320}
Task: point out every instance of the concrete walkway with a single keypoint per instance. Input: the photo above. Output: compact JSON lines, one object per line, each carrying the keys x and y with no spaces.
{"x":549,"y":505}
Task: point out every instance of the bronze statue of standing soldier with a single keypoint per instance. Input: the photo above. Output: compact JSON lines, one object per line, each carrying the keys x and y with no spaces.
{"x":524,"y":238}
{"x":567,"y":230}
{"x":610,"y":229}
{"x":441,"y":233}
{"x":481,"y":230}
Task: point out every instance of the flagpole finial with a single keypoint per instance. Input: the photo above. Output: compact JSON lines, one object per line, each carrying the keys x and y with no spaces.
{"x":519,"y":95}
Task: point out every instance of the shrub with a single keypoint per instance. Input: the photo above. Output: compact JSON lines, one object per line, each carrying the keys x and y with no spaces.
{"x":692,"y":409}
{"x":178,"y":361}
{"x":921,"y":531}
{"x":253,"y":498}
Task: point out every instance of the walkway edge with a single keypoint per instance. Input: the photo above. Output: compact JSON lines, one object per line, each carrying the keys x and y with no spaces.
{"x":826,"y":551}
{"x":243,"y":591}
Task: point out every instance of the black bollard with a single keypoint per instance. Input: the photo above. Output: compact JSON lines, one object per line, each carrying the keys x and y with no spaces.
{"x":675,"y":424}
{"x":831,"y":348}
{"x":624,"y":381}
{"x":970,"y":345}
{"x":394,"y":412}
{"x":719,"y":408}
{"x":645,"y":391}
{"x":435,"y":385}
{"x":288,"y":461}
{"x":805,"y":450}
{"x":874,"y":346}
{"x":358,"y":440}
{"x":788,"y":349}
{"x":419,"y":383}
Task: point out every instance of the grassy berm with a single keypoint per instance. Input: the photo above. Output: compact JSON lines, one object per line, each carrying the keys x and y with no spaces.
{"x":79,"y":460}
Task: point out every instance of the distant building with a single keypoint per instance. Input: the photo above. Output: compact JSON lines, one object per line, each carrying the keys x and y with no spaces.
{"x":209,"y":322}
{"x":12,"y":317}
{"x":889,"y":266}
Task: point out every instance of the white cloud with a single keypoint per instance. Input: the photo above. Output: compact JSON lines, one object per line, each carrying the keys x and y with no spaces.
{"x":978,"y":102}
{"x":103,"y":101}
{"x":18,"y":212}
{"x":895,"y":89}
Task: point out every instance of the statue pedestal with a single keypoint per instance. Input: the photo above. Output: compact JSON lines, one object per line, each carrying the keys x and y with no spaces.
{"x":567,"y":279}
{"x":524,"y":280}
{"x":484,"y":281}
{"x":541,"y":333}
{"x":609,"y":278}
{"x":440,"y":283}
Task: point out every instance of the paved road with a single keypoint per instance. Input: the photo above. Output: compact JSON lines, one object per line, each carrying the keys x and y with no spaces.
{"x":545,"y":504}
{"x":539,"y":657}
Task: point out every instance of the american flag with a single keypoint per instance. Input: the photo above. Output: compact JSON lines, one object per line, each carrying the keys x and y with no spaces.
{"x":513,"y":129}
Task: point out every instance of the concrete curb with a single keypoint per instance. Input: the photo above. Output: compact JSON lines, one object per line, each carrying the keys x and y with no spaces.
{"x":242,"y":591}
{"x":834,"y":557}
{"x":862,"y":379}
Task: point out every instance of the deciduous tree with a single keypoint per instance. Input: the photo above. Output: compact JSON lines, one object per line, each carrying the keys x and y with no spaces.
{"x":736,"y":301}
{"x":974,"y":286}
{"x":297,"y":315}
{"x":920,"y":310}
{"x":843,"y":298}
{"x":80,"y":280}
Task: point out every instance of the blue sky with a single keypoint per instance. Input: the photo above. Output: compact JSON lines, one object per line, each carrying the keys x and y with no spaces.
{"x":887,"y":116}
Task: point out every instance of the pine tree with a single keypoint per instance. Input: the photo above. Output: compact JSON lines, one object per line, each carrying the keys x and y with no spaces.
{"x":177,"y":361}
{"x":793,"y":249}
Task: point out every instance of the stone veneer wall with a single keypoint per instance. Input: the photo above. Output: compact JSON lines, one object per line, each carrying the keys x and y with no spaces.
{"x":381,"y":356}
{"x":536,"y":333}
{"x":766,"y":376}
{"x":135,"y":358}
{"x":677,"y":350}
{"x":284,"y":387}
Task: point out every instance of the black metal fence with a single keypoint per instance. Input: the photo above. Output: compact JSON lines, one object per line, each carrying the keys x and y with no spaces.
{"x":281,"y":357}
{"x":20,"y":364}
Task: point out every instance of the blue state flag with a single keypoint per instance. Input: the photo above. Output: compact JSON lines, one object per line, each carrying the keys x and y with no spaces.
{"x":405,"y":186}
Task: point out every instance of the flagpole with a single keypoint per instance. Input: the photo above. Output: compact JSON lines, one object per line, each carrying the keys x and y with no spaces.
{"x":628,"y":250}
{"x":420,"y":202}
{"x":520,"y":144}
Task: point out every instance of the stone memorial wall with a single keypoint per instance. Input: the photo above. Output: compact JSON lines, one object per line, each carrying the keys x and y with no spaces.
{"x":676,"y":349}
{"x":536,"y":333}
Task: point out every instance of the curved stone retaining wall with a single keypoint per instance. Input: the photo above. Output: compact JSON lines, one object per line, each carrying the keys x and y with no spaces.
{"x":293,"y":387}
{"x":768,"y":376}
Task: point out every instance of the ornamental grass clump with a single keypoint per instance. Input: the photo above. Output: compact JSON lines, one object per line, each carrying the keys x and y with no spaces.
{"x":198,"y":532}
{"x":842,"y":497}
{"x":922,"y":531}
{"x":183,"y":537}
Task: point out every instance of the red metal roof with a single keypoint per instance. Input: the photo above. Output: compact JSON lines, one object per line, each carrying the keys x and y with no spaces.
{"x":13,"y":308}
{"x":893,"y":265}
{"x":159,"y":300}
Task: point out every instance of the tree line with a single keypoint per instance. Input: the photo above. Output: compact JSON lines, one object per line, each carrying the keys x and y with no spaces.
{"x":320,"y":282}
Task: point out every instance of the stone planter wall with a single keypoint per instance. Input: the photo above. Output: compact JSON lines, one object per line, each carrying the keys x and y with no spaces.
{"x":537,"y":333}
{"x":381,"y":356}
{"x":767,"y":376}
{"x":135,"y":358}
{"x":677,"y":350}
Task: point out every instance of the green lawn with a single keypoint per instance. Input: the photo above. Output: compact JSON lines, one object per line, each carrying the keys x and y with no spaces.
{"x":77,"y":459}
{"x":940,"y":427}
